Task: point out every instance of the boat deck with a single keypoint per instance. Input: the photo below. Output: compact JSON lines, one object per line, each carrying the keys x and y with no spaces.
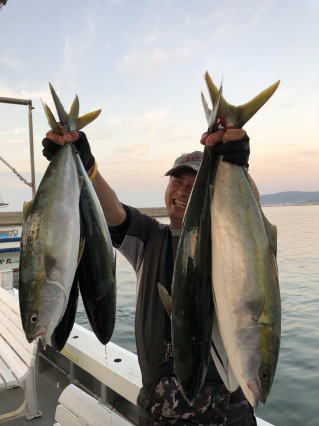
{"x":49,"y":387}
{"x":110,"y":374}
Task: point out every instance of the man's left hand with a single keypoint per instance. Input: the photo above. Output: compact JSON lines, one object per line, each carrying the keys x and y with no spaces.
{"x":232,"y":144}
{"x":222,"y":136}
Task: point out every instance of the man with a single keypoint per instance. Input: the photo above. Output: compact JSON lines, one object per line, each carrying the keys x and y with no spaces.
{"x":150,"y":248}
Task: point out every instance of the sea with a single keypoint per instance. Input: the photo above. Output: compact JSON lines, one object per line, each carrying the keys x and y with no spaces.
{"x":294,"y":397}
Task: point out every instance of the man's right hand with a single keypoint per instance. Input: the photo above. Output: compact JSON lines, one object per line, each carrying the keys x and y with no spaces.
{"x":52,"y":144}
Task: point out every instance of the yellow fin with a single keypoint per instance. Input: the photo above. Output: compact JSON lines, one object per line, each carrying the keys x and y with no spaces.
{"x":63,"y":116}
{"x":81,"y":249}
{"x":26,"y":209}
{"x":237,"y":116}
{"x":51,"y":120}
{"x":86,"y":119}
{"x":75,"y":108}
{"x":271,"y":231}
{"x":70,"y":121}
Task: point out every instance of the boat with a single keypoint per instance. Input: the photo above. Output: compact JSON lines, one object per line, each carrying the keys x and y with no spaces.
{"x":2,"y":203}
{"x":9,"y":245}
{"x":110,"y":374}
{"x":9,"y":252}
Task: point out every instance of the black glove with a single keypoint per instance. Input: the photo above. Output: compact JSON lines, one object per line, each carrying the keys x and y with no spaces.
{"x":236,"y":152}
{"x":82,"y":145}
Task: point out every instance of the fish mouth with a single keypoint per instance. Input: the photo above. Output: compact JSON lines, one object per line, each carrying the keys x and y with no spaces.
{"x":254,"y":387}
{"x":39,"y":333}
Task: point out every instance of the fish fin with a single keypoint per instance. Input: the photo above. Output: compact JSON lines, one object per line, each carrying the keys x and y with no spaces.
{"x":237,"y":116}
{"x":25,"y":209}
{"x":255,"y":307}
{"x":63,"y":115}
{"x":85,"y":119}
{"x":81,"y":249}
{"x":81,"y":181}
{"x":49,"y":261}
{"x":75,"y":108}
{"x":114,"y":264}
{"x":246,"y":111}
{"x":215,"y":114}
{"x":271,"y":231}
{"x":74,"y":113}
{"x":253,"y":186}
{"x":165,"y":299}
{"x":63,"y":329}
{"x":205,"y":106}
{"x":221,"y":360}
{"x":51,"y":120}
{"x":216,"y":98}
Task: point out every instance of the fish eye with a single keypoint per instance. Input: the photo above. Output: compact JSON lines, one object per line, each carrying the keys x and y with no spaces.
{"x":33,"y":318}
{"x":264,"y":374}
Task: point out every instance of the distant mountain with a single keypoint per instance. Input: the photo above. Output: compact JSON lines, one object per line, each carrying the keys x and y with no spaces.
{"x":291,"y":197}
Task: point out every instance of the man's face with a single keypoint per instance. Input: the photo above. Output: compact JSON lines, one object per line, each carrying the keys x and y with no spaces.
{"x":177,"y":194}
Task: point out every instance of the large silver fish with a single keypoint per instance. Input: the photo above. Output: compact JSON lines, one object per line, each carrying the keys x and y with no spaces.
{"x":49,"y":247}
{"x":245,"y":282}
{"x":50,"y":244}
{"x":246,"y":330}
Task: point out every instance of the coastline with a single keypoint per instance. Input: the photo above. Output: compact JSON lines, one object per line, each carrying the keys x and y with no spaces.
{"x":15,"y":218}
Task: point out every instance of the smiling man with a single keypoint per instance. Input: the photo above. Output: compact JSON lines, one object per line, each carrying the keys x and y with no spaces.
{"x":182,"y":178}
{"x":150,"y":247}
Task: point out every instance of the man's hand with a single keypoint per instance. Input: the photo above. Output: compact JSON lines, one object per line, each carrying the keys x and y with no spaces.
{"x":52,"y":144}
{"x":233,"y":144}
{"x":222,"y":136}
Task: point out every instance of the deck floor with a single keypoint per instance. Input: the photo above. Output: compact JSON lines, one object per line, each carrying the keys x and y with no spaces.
{"x":49,"y":387}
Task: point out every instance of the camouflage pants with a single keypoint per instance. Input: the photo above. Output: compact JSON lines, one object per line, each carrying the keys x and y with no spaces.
{"x":168,"y":407}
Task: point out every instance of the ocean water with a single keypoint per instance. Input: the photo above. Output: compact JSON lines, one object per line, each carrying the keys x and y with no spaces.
{"x":294,"y":398}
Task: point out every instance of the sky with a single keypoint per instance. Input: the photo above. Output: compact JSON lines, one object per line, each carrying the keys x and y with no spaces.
{"x":142,"y":62}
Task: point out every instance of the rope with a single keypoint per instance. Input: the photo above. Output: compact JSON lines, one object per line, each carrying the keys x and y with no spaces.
{"x":12,"y":168}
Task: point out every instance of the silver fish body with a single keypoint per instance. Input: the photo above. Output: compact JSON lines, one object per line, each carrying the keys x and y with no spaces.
{"x":245,"y":282}
{"x":49,"y":247}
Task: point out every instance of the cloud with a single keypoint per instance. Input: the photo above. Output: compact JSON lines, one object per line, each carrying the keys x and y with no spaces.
{"x":155,"y":37}
{"x":68,"y":64}
{"x":145,"y":121}
{"x":147,"y":61}
{"x":234,"y":18}
{"x":188,"y":18}
{"x":151,"y":118}
{"x":7,"y":92}
{"x":8,"y":143}
{"x":90,"y":21}
{"x":288,"y":170}
{"x":10,"y":63}
{"x":19,"y":131}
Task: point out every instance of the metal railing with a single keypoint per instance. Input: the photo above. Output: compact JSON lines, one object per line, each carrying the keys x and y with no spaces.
{"x":28,"y":103}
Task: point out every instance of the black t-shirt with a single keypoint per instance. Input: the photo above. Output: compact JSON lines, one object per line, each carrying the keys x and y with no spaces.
{"x":149,"y":247}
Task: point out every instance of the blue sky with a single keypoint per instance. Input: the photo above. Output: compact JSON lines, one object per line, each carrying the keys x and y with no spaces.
{"x":142,"y":62}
